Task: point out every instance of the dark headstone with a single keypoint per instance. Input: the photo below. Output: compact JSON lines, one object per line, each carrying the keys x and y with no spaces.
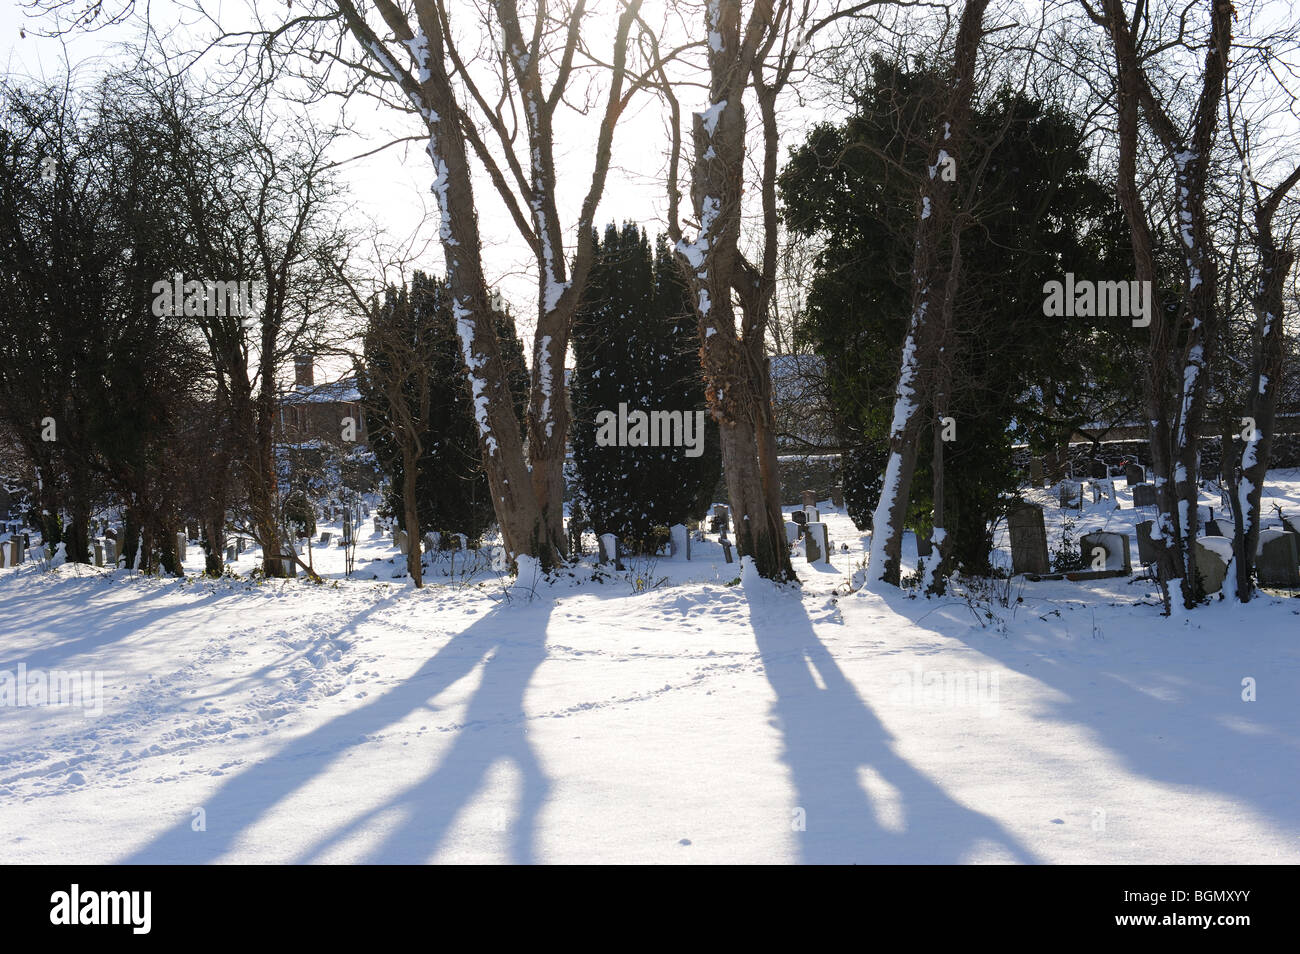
{"x":1212,"y":555}
{"x":1134,"y":474}
{"x":1144,"y":495}
{"x":923,"y":545}
{"x":1071,"y":495}
{"x":1214,"y":529}
{"x":1099,"y":470}
{"x":1278,"y":563}
{"x":1028,"y":540}
{"x":799,"y":517}
{"x":1148,"y":552}
{"x":808,"y":498}
{"x":1035,"y":472}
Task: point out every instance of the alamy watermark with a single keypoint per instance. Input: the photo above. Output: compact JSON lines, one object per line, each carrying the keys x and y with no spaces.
{"x":946,"y":688}
{"x":1089,"y":299}
{"x":38,"y":687}
{"x":209,"y":299}
{"x":651,"y":429}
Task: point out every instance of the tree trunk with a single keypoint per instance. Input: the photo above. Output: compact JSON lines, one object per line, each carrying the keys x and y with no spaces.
{"x":1275,"y":266}
{"x":932,"y":285}
{"x":410,"y":460}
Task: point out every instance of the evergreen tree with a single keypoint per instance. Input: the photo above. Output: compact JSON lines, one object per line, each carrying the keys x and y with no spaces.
{"x":451,"y":488}
{"x":1036,"y":213}
{"x":636,"y":346}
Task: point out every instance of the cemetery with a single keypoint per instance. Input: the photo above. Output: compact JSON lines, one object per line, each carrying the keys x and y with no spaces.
{"x":643,"y":432}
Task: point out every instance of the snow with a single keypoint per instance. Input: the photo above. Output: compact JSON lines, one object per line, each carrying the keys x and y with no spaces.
{"x":700,"y":721}
{"x":710,"y":116}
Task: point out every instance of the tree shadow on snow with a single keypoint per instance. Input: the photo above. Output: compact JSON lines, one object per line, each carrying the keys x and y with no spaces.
{"x":861,"y":802}
{"x":494,"y":729}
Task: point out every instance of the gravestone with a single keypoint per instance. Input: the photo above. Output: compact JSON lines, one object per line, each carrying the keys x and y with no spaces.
{"x":181,"y":548}
{"x":1278,"y":563}
{"x":924,"y":546}
{"x":837,"y":496}
{"x":1035,"y":472}
{"x":1071,"y":495}
{"x":812,"y":513}
{"x":1214,"y":529}
{"x":721,"y":521}
{"x":726,"y":549}
{"x":608,"y":548}
{"x":239,"y":545}
{"x":1212,"y":556}
{"x":1099,"y":470}
{"x":792,"y":531}
{"x":1096,"y":492}
{"x":1148,"y":552}
{"x":1028,"y":540}
{"x":808,"y":498}
{"x":1114,"y":547}
{"x":800,"y":520}
{"x":1144,"y":495}
{"x":1134,"y":474}
{"x":679,"y":542}
{"x":98,"y":547}
{"x":817,"y":543}
{"x":325,"y":538}
{"x":232,"y":552}
{"x":347,"y":533}
{"x":378,"y":527}
{"x":432,"y":541}
{"x":400,"y":541}
{"x":462,"y":541}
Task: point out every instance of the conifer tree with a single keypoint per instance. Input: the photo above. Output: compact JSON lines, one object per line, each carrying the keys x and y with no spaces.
{"x":636,"y":347}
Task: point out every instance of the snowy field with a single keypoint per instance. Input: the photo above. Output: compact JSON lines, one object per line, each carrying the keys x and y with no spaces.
{"x":701,"y":720}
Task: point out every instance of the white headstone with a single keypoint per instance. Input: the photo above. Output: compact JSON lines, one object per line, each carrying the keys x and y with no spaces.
{"x":817,"y":543}
{"x":679,"y":542}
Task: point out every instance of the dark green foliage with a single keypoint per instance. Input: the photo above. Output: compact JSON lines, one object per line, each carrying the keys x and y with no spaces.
{"x":451,"y":487}
{"x":636,"y":343}
{"x":1034,"y":214}
{"x":299,"y":514}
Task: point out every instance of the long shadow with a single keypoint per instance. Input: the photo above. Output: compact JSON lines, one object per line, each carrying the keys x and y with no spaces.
{"x":110,"y":625}
{"x":1174,"y":724}
{"x":832,"y":740}
{"x":494,"y":729}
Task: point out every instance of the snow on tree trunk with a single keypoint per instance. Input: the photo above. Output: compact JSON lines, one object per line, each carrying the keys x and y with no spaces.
{"x":932,"y":279}
{"x":1261,"y":406}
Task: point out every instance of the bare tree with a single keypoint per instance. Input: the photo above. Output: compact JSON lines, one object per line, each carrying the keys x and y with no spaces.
{"x":732,"y":293}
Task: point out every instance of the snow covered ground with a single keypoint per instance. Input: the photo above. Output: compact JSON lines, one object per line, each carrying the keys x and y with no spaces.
{"x":700,"y":720}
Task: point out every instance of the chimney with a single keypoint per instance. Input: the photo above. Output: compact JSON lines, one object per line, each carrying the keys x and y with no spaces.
{"x":302,"y":371}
